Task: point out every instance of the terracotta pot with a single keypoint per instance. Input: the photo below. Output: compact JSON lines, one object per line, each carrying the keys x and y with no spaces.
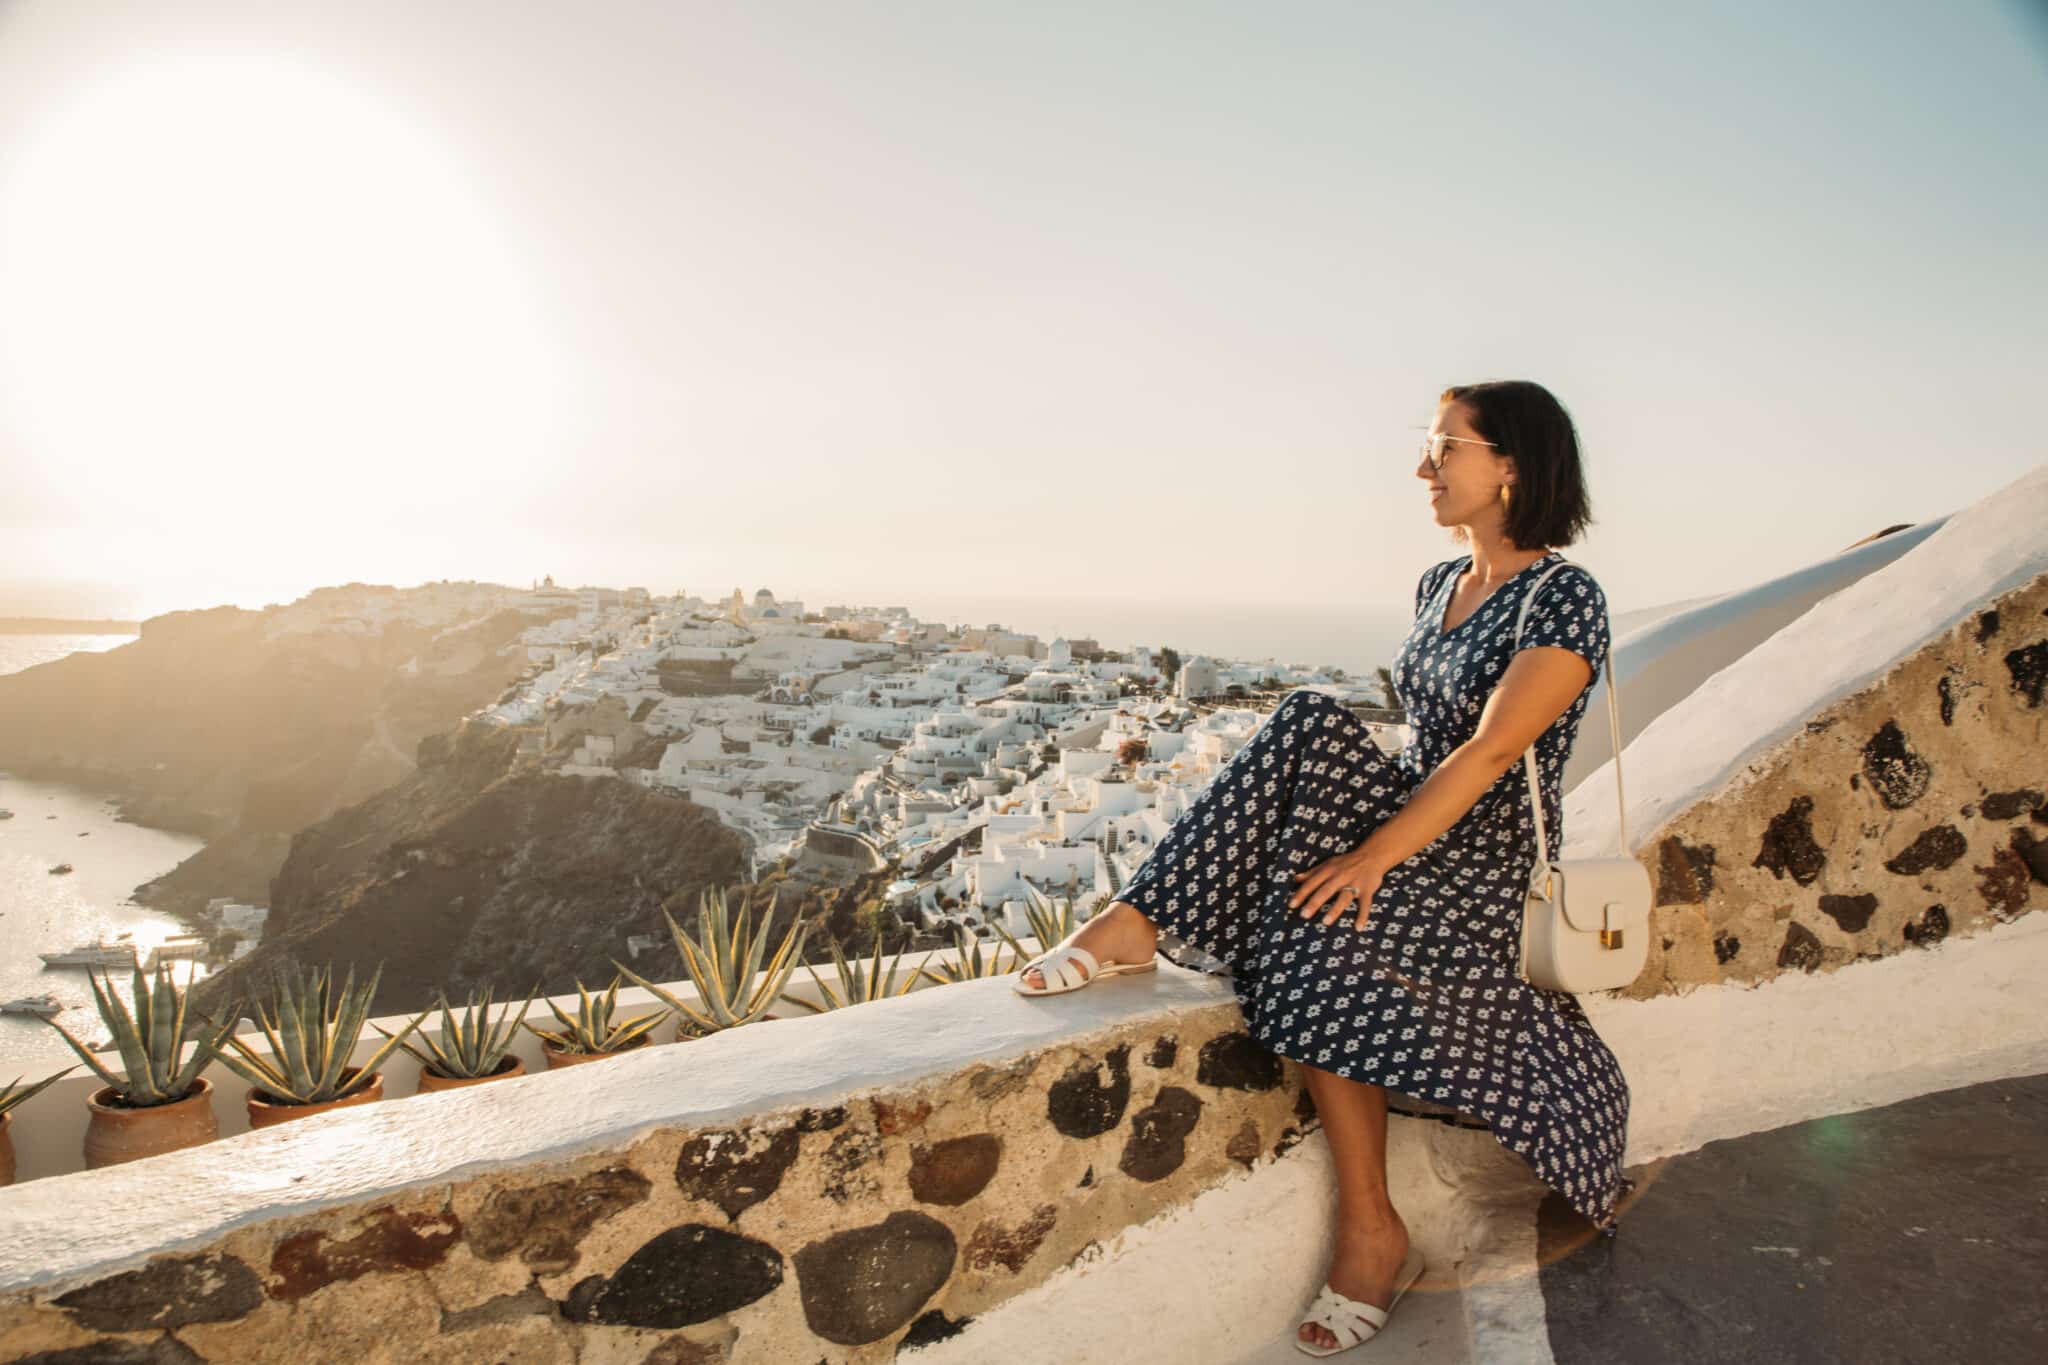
{"x":510,"y":1065}
{"x":265,"y":1109}
{"x":117,"y":1132}
{"x":557,"y":1058}
{"x":6,"y":1150}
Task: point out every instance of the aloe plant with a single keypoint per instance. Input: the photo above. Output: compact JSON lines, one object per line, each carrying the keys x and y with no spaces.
{"x":593,"y":1030}
{"x":860,"y":985}
{"x":152,"y":1039}
{"x":18,"y":1093}
{"x":972,"y":965}
{"x":723,"y":959}
{"x":1051,"y":921}
{"x":311,"y":1031}
{"x":471,"y":1045}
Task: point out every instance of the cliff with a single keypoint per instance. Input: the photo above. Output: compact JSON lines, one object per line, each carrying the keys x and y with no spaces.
{"x":482,"y":868}
{"x":217,"y":723}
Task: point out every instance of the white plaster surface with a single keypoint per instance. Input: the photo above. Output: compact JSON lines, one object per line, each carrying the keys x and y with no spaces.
{"x":191,"y":1197}
{"x":1661,"y":662}
{"x":1845,"y":642}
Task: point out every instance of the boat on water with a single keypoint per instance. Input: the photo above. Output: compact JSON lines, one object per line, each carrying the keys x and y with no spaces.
{"x":42,"y":1006}
{"x":100,"y":953}
{"x":60,"y":869}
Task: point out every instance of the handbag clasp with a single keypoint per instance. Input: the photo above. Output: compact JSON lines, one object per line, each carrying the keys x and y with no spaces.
{"x":1609,"y":937}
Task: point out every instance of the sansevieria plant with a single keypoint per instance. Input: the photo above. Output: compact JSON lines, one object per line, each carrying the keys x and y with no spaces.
{"x":593,"y":1031}
{"x":152,"y":1039}
{"x":471,"y":1045}
{"x":973,"y":965}
{"x":312,"y":1029}
{"x":723,"y":960}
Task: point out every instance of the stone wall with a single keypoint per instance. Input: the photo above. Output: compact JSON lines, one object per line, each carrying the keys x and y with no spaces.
{"x":833,"y":1230}
{"x":1909,"y":810}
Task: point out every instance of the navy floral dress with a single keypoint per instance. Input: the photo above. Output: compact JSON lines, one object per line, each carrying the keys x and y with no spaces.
{"x":1425,"y":1000}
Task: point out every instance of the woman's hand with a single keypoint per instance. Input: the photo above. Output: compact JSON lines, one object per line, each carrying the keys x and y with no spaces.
{"x":1326,"y":888}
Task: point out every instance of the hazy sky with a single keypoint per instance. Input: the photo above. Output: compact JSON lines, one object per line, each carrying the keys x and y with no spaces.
{"x":949,"y":303}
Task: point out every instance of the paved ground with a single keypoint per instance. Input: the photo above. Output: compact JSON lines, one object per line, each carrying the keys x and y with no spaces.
{"x":1913,"y":1232}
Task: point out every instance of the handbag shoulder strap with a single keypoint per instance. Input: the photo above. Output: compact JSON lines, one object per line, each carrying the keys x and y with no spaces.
{"x":1614,"y":728}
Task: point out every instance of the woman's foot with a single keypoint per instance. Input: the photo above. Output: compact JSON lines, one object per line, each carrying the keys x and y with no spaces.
{"x":1118,"y":934}
{"x":1364,"y":1267}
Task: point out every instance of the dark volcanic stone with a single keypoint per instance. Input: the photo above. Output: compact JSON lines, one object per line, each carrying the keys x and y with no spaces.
{"x":2004,"y":882}
{"x":1987,"y":626}
{"x":1936,"y":848}
{"x":544,"y":1224}
{"x":860,"y":1285}
{"x":1930,"y":929}
{"x":845,"y":1164}
{"x":167,"y":1293}
{"x":1244,"y":1146}
{"x":165,"y":1350}
{"x":1080,"y":1105}
{"x":995,"y":1245}
{"x":2028,"y":670}
{"x":930,"y":1327}
{"x":1945,"y":688}
{"x":1236,"y":1061}
{"x":1850,"y":913}
{"x":2011,"y":805}
{"x":1801,"y":949}
{"x":1726,"y":946}
{"x":1164,"y":1049}
{"x":1788,"y":847}
{"x":954,"y":1171}
{"x":687,"y":1274}
{"x":1158,"y":1141}
{"x":1685,"y":875}
{"x":2033,"y":852}
{"x":387,"y":1240}
{"x":718,"y":1167}
{"x":1896,"y":773}
{"x":821,"y":1120}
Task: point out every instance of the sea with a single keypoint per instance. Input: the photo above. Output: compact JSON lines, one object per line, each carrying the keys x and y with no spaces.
{"x":41,"y":912}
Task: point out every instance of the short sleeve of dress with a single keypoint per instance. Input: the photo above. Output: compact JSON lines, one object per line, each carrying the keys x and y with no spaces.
{"x":1570,"y":610}
{"x":1425,"y":587}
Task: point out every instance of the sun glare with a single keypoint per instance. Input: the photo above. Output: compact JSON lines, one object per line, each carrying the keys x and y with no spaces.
{"x":236,"y":289}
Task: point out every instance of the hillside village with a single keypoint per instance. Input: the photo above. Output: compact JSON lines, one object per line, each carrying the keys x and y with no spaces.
{"x":990,"y":766}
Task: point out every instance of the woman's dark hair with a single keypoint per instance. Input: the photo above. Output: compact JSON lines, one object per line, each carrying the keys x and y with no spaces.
{"x":1549,"y":505}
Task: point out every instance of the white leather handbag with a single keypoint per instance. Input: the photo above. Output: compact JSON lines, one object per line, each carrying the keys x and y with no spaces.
{"x":1586,"y":923}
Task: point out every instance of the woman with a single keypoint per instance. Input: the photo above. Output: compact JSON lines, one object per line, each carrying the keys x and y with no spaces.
{"x":1369,"y":909}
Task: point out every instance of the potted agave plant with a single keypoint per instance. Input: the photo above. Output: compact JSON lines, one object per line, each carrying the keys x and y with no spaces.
{"x":972,"y":965}
{"x":312,"y":1030}
{"x":722,"y":959}
{"x":11,"y":1096}
{"x":858,"y":985}
{"x":471,"y":1048}
{"x":593,"y":1034}
{"x":162,"y":1103}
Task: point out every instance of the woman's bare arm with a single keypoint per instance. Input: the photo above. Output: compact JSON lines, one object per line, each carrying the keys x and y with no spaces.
{"x":1540,"y":684}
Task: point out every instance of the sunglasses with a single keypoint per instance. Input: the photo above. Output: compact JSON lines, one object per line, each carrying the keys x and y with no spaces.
{"x":1433,"y":447}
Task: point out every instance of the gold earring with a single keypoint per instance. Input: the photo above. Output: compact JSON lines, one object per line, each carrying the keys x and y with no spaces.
{"x":1503,"y":497}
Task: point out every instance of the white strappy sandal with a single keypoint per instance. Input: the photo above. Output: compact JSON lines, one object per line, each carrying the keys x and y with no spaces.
{"x":1061,"y":967}
{"x":1354,"y":1320}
